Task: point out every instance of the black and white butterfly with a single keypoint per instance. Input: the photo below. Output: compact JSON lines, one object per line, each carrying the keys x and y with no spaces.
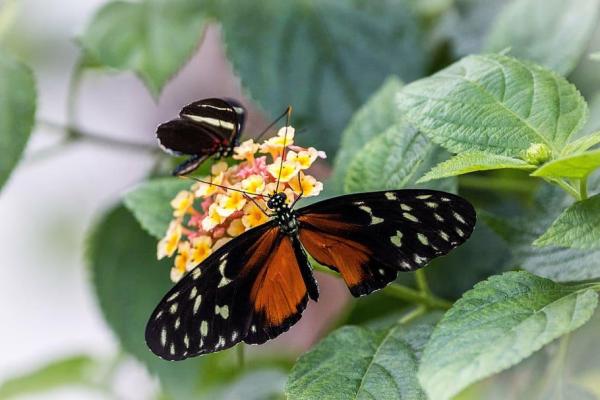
{"x":257,"y":285}
{"x":205,"y":128}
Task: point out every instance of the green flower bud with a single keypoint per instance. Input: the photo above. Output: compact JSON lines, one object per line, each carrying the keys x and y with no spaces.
{"x":537,"y":154}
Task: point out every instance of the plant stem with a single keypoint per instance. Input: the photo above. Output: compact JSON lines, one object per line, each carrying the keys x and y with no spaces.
{"x":583,"y":188}
{"x":401,"y":292}
{"x":414,"y":296}
{"x":567,"y":188}
{"x":241,"y":355}
{"x":422,"y":284}
{"x":75,"y":134}
{"x":417,"y":312}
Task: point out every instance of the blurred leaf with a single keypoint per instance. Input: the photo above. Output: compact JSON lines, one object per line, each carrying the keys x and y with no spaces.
{"x":467,"y":24}
{"x":553,"y":33}
{"x":376,"y":116}
{"x":76,"y":370}
{"x":153,"y":38}
{"x":323,"y":57}
{"x":472,"y":161}
{"x":150,"y":203}
{"x":129,"y":282}
{"x":595,"y":56}
{"x":582,"y":144}
{"x":393,"y":160}
{"x":256,"y":385}
{"x":484,"y":254}
{"x":495,"y":325}
{"x":521,"y":229}
{"x":17,"y":111}
{"x":357,"y":363}
{"x":577,"y":166}
{"x":577,"y":227}
{"x":495,"y":104}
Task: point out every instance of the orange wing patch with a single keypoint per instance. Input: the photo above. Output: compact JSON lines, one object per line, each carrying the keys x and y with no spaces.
{"x":347,"y":256}
{"x":279,"y":288}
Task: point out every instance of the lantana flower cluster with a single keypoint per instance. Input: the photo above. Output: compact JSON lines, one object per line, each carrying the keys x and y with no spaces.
{"x":207,"y":216}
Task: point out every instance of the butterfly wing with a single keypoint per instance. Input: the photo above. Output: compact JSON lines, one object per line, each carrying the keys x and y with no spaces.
{"x":252,"y":289}
{"x":369,"y":237}
{"x":202,"y":128}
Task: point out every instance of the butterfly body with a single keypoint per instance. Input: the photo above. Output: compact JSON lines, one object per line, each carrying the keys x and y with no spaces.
{"x":257,"y":285}
{"x":206,"y":128}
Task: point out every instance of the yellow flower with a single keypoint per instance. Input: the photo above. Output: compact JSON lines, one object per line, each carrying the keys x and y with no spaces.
{"x":304,"y":158}
{"x":201,"y":248}
{"x":288,"y":170}
{"x":274,"y":145}
{"x":253,"y":216}
{"x":236,"y":228}
{"x":167,"y":245}
{"x":204,"y":189}
{"x":212,"y":219}
{"x":254,"y":184}
{"x":218,"y":168}
{"x":182,"y":203}
{"x":221,"y":242}
{"x":227,"y":204}
{"x":181,"y":261}
{"x":310,"y":185}
{"x":246,"y":150}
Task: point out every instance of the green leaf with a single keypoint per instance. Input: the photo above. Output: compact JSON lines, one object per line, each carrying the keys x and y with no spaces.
{"x":323,"y":57}
{"x":577,"y":166}
{"x":472,"y":161}
{"x":129,"y":282}
{"x":376,"y":116}
{"x":557,"y":263}
{"x":150,"y":203}
{"x":393,"y":160}
{"x":495,"y":104}
{"x":76,"y":370}
{"x":153,"y":38}
{"x":359,"y":363}
{"x":495,"y":325}
{"x":577,"y":227}
{"x":582,"y":144}
{"x":553,"y":33}
{"x":17,"y":111}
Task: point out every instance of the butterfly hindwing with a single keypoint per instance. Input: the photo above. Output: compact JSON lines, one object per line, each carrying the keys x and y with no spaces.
{"x":369,"y":237}
{"x":251,"y":289}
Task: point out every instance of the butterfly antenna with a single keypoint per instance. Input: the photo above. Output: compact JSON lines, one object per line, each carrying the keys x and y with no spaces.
{"x":225,"y":187}
{"x":257,"y":205}
{"x":283,"y":153}
{"x":287,"y":111}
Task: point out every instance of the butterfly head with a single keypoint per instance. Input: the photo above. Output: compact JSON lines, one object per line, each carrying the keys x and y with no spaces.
{"x":277,"y":201}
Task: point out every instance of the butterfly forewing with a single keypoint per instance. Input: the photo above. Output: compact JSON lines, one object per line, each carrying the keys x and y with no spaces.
{"x":251,"y":290}
{"x":369,"y":237}
{"x":203,"y":127}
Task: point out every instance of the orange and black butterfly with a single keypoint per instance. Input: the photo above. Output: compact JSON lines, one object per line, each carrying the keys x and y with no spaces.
{"x":205,"y":128}
{"x":256,"y":286}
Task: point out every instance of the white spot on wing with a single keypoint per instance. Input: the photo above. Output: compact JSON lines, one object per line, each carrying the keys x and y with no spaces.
{"x":423,"y":196}
{"x":423,"y":239}
{"x":405,"y":207}
{"x":196,"y":273}
{"x":203,"y":328}
{"x":186,"y":341}
{"x":193,"y":292}
{"x":223,"y":311}
{"x":234,"y":335}
{"x":391,"y":196}
{"x":397,"y":239}
{"x":173,"y":296}
{"x":163,"y":337}
{"x":158,"y":315}
{"x":460,"y":232}
{"x":419,"y":259}
{"x":172,"y":350}
{"x":197,"y":304}
{"x":431,"y":204}
{"x":410,"y":217}
{"x":177,"y":323}
{"x":458,"y":217}
{"x":173,"y":308}
{"x":444,"y":236}
{"x":438,"y":217}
